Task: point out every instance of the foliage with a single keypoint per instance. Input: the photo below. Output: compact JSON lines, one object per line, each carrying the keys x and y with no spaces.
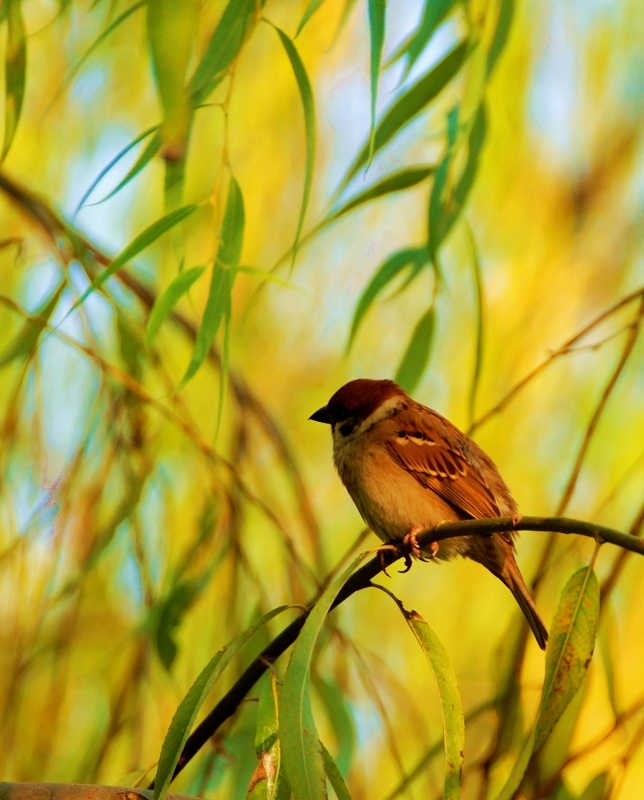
{"x":213,"y":214}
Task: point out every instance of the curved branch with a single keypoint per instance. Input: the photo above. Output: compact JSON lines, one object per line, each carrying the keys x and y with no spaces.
{"x":361,"y":579}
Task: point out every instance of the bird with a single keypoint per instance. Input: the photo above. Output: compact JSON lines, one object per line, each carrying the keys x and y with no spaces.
{"x":408,"y":468}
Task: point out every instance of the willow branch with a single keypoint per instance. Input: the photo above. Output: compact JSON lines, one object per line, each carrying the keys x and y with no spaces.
{"x":361,"y":579}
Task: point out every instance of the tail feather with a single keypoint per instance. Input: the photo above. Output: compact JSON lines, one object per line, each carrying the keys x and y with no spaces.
{"x":526,"y":603}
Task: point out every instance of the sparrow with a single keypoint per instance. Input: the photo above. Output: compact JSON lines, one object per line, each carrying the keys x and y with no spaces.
{"x":407,"y":468}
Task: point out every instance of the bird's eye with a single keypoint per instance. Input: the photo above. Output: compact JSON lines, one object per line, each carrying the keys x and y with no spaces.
{"x":347,"y":428}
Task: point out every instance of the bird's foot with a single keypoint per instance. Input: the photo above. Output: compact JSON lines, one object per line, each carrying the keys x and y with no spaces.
{"x":410,"y":544}
{"x":381,"y":556}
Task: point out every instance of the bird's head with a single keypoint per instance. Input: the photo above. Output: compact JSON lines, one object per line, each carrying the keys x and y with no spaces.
{"x":359,"y":404}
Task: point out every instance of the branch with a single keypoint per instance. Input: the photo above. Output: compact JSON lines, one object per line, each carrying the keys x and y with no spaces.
{"x":361,"y":579}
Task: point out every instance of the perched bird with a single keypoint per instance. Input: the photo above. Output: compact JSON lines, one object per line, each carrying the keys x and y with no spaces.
{"x":408,"y":468}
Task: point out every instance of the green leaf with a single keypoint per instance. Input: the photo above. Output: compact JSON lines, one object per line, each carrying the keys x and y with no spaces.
{"x":568,"y":655}
{"x":340,"y":717}
{"x":218,"y":304}
{"x":394,"y":182}
{"x":308,"y":106}
{"x":451,"y":706}
{"x":435,"y":12}
{"x":268,"y":781}
{"x":168,"y":616}
{"x":223,"y":47}
{"x":149,"y":152}
{"x":416,"y":357}
{"x":15,"y":66}
{"x":377,"y":38}
{"x":27,"y":339}
{"x":189,"y":707}
{"x":168,"y":299}
{"x":570,"y":649}
{"x":415,"y":257}
{"x":334,"y":775}
{"x":111,"y":27}
{"x":171,"y":29}
{"x":302,"y":751}
{"x":501,"y":33}
{"x":479,"y":307}
{"x":115,"y":161}
{"x":411,"y":103}
{"x":308,"y":13}
{"x":139,"y":243}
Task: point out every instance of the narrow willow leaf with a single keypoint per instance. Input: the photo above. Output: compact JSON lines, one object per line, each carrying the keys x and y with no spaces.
{"x":15,"y":66}
{"x":302,"y":752}
{"x":415,"y":257}
{"x":377,"y":37}
{"x":570,"y":649}
{"x":451,"y":706}
{"x":308,"y":13}
{"x":104,"y":35}
{"x":268,"y":781}
{"x":475,"y":143}
{"x":435,"y":12}
{"x":439,"y":197}
{"x":336,"y":705}
{"x":223,"y":47}
{"x":501,"y":32}
{"x":189,"y":707}
{"x":410,"y":104}
{"x":478,"y":323}
{"x":149,"y":152}
{"x":113,"y":163}
{"x":27,"y":339}
{"x":168,"y":616}
{"x":308,"y":106}
{"x":395,"y":182}
{"x":223,"y":278}
{"x":416,"y":357}
{"x":599,"y":788}
{"x":168,"y":299}
{"x":139,"y":243}
{"x":334,"y":775}
{"x":171,"y":29}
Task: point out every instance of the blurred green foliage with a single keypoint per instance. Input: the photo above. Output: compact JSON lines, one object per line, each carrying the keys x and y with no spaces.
{"x":200,"y":205}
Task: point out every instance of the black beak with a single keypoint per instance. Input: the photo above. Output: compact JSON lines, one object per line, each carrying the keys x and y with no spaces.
{"x":322,"y":415}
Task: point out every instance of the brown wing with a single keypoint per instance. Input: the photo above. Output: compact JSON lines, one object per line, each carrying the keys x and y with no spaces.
{"x":426,"y":452}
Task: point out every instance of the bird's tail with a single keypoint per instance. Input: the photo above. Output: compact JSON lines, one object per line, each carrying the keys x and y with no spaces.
{"x":514,"y":581}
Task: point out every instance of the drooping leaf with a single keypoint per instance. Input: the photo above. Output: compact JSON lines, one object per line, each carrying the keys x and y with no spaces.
{"x":308,"y":13}
{"x":338,"y":711}
{"x":171,"y":29}
{"x":15,"y":66}
{"x":168,"y":616}
{"x":268,"y":781}
{"x":501,"y":33}
{"x":433,"y":14}
{"x":377,"y":38}
{"x":450,"y":699}
{"x":140,"y":163}
{"x":308,"y":105}
{"x":27,"y":339}
{"x":188,"y":709}
{"x":414,"y":257}
{"x":101,"y":38}
{"x":218,"y":304}
{"x":416,"y":357}
{"x":138,"y":244}
{"x":302,"y":751}
{"x":410,"y":104}
{"x":223,"y":47}
{"x":394,"y":182}
{"x":570,"y":649}
{"x":334,"y":775}
{"x":168,"y":299}
{"x":568,"y":655}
